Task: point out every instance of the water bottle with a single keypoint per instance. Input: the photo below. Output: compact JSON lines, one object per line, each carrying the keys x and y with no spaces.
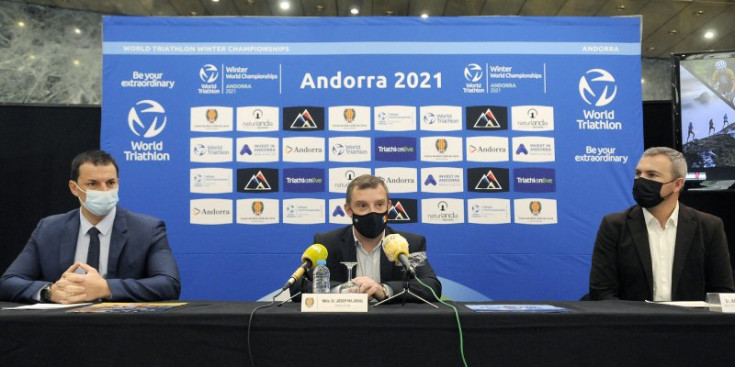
{"x":321,"y":277}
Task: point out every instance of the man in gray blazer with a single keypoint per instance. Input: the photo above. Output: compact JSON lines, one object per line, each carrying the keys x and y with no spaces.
{"x":660,"y":250}
{"x":97,"y":252}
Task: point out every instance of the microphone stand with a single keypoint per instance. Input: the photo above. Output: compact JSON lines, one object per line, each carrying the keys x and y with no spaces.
{"x":405,"y":293}
{"x":302,"y":284}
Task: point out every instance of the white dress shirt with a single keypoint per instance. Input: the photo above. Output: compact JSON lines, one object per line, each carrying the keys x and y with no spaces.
{"x":662,"y":242}
{"x":105,"y":228}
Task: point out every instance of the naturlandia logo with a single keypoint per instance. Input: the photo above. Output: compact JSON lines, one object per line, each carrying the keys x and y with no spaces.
{"x":598,"y":88}
{"x":147,"y":119}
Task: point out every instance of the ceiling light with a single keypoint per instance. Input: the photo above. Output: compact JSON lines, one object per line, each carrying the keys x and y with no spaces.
{"x":709,"y":35}
{"x":215,"y":1}
{"x":621,"y":7}
{"x":673,"y":32}
{"x":699,"y":12}
{"x":651,"y":48}
{"x":285,"y":5}
{"x":77,"y":31}
{"x":354,"y":11}
{"x":21,"y":24}
{"x":643,"y":81}
{"x":76,"y":62}
{"x":424,"y":15}
{"x":389,"y":12}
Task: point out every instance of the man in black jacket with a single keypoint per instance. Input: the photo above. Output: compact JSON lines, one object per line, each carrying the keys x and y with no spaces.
{"x":367,"y":204}
{"x":660,"y":250}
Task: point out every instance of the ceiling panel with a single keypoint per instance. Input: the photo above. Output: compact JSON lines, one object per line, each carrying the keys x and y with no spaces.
{"x":222,"y":7}
{"x":463,"y":7}
{"x":580,"y":7}
{"x":430,"y":7}
{"x":390,"y":7}
{"x":613,"y":8}
{"x":319,"y":8}
{"x":189,"y":7}
{"x":509,"y":7}
{"x":541,"y":7}
{"x":102,"y":6}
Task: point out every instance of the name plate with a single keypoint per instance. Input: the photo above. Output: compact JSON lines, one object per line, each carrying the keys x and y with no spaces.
{"x":345,"y":302}
{"x":724,"y":302}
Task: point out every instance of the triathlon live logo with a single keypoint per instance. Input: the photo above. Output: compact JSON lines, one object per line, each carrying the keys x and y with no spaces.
{"x":147,"y":119}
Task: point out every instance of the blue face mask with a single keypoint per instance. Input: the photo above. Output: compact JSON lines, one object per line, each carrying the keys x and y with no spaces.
{"x":100,"y":203}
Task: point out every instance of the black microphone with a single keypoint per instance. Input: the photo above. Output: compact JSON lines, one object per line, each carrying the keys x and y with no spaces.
{"x":395,"y":247}
{"x":311,"y":255}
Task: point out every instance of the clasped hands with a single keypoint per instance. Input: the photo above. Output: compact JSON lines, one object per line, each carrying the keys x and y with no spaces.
{"x":76,"y":288}
{"x":369,"y":286}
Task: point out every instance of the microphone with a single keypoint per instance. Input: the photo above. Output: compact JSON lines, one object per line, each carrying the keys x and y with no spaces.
{"x":395,"y":247}
{"x":311,"y":255}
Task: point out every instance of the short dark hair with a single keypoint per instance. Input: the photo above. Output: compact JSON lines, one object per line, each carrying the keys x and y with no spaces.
{"x":96,"y":157}
{"x":365,"y":182}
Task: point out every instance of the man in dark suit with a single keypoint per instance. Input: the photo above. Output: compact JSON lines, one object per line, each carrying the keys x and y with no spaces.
{"x":660,"y":250}
{"x":97,"y":252}
{"x":367,"y":204}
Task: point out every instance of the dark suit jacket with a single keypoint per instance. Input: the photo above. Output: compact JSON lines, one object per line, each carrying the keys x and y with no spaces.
{"x":621,"y":261}
{"x":340,"y":244}
{"x":140,"y":266}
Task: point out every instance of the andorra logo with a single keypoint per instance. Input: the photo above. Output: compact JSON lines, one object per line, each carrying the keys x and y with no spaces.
{"x":208,"y":73}
{"x":473,"y":73}
{"x":144,"y":117}
{"x":597,"y":90}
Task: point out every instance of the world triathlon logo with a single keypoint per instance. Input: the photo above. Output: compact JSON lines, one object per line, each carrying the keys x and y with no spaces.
{"x":597,"y":87}
{"x":473,"y":73}
{"x":147,"y":117}
{"x":208,"y":73}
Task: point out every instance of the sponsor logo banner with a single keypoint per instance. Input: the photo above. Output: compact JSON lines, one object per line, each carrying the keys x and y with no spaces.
{"x":257,"y":211}
{"x":533,"y":149}
{"x":395,"y":118}
{"x":533,"y":118}
{"x":442,"y":179}
{"x":257,"y":149}
{"x":210,"y":211}
{"x":534,"y":180}
{"x":303,"y":118}
{"x":257,"y":180}
{"x":441,"y":149}
{"x":488,"y":211}
{"x":349,"y":149}
{"x":441,"y":118}
{"x":488,"y":180}
{"x":349,"y":118}
{"x":398,"y":179}
{"x":211,"y":119}
{"x":487,"y":149}
{"x":395,"y":149}
{"x":257,"y":118}
{"x":210,"y":180}
{"x":535,"y":211}
{"x":303,"y":211}
{"x":303,"y":180}
{"x":486,"y":118}
{"x":442,"y":211}
{"x":403,"y":210}
{"x":340,"y":177}
{"x":337,"y":214}
{"x":303,"y":150}
{"x":211,"y":150}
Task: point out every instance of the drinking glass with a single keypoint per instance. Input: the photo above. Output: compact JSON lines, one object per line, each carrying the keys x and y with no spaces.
{"x":349,"y":286}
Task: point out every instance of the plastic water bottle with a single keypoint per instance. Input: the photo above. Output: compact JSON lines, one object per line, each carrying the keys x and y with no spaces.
{"x":321,"y":277}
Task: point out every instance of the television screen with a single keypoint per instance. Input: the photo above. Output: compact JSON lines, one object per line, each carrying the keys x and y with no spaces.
{"x":705,"y":113}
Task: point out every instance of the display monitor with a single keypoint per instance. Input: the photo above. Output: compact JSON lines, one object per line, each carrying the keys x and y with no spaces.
{"x":704,"y":102}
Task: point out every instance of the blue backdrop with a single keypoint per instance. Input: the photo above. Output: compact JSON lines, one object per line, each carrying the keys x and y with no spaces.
{"x":503,"y":140}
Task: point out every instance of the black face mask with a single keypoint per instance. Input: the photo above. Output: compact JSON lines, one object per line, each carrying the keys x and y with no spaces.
{"x":370,"y":225}
{"x":647,"y":193}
